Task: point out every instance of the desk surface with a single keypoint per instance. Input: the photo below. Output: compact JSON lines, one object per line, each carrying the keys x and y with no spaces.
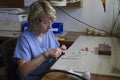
{"x":82,"y":61}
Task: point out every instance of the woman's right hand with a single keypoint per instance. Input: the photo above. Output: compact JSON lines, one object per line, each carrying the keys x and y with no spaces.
{"x":56,"y":52}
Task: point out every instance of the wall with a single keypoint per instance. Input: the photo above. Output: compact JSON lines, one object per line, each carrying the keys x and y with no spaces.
{"x":91,"y":13}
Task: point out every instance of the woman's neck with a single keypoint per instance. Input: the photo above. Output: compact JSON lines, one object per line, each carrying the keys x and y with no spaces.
{"x":39,"y":35}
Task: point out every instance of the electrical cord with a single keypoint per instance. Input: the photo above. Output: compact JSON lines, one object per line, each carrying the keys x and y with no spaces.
{"x":81,"y":21}
{"x":115,"y":22}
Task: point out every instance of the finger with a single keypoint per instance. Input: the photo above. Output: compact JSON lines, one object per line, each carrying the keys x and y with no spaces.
{"x":59,"y":51}
{"x":56,"y":55}
{"x":63,"y":47}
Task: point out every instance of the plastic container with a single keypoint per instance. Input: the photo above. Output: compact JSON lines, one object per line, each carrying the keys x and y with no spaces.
{"x":57,"y":27}
{"x":25,"y":26}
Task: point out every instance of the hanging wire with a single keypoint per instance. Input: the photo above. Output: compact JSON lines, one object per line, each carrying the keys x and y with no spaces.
{"x":117,"y":18}
{"x":80,"y":20}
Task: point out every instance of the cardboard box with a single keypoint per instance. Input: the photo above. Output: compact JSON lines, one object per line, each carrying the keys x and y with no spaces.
{"x":104,"y":49}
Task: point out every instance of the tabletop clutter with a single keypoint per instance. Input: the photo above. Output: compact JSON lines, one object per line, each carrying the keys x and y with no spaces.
{"x":104,"y":49}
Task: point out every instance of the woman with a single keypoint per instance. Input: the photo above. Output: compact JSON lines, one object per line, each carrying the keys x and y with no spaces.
{"x":37,"y":46}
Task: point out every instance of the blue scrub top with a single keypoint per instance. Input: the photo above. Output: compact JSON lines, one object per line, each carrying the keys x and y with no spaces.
{"x":29,"y":47}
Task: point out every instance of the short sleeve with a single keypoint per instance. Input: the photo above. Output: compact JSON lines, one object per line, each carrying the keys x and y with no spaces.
{"x":22,"y":50}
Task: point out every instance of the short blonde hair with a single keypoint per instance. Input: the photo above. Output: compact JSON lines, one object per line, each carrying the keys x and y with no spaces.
{"x":38,"y":9}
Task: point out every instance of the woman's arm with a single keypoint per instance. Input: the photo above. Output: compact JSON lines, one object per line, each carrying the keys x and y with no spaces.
{"x":27,"y":67}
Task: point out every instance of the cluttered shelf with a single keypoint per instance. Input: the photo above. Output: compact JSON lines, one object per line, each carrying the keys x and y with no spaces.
{"x":71,"y":36}
{"x":23,"y":3}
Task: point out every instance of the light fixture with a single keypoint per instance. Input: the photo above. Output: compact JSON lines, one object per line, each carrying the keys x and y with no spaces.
{"x":58,"y":2}
{"x":62,"y":2}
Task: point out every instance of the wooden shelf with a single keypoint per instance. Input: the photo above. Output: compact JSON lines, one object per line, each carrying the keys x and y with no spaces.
{"x":20,"y":3}
{"x":11,"y":3}
{"x":76,"y":4}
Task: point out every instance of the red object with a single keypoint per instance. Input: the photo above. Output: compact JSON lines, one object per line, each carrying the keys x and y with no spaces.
{"x":85,"y":49}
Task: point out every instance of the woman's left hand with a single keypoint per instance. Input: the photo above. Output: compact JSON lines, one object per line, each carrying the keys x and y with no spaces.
{"x":63,"y":48}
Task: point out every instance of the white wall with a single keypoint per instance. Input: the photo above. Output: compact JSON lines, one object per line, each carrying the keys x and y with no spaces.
{"x":91,"y":13}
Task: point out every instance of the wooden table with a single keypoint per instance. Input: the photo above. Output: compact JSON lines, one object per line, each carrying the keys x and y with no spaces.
{"x":99,"y":65}
{"x":71,"y":36}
